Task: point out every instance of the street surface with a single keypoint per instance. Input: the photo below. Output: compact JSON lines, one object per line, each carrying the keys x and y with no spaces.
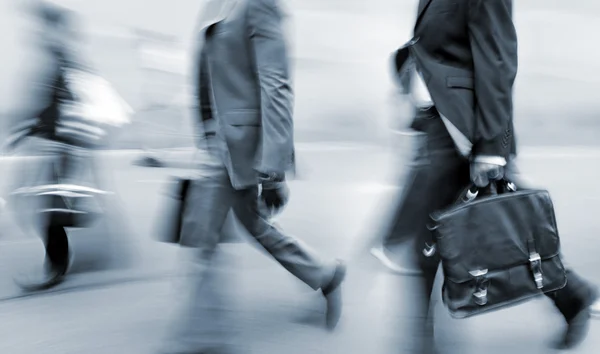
{"x":336,"y":205}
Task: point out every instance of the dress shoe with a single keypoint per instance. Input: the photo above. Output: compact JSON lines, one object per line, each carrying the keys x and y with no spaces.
{"x":50,"y":276}
{"x":333,"y":296}
{"x":578,"y":326}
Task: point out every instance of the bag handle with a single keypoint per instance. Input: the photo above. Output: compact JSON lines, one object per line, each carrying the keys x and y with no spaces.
{"x":500,"y":186}
{"x":469,"y":194}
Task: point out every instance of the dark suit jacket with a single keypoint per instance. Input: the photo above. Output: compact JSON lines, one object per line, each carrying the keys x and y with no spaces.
{"x":243,"y":59}
{"x":466,"y":51}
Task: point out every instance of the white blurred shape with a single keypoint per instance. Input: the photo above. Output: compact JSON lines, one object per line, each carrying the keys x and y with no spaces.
{"x":100,"y":102}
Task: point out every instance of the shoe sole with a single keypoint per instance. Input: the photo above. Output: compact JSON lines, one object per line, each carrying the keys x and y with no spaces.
{"x":391,"y":266}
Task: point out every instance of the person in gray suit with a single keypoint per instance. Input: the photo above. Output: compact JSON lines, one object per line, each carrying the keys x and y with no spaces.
{"x":245,"y":104}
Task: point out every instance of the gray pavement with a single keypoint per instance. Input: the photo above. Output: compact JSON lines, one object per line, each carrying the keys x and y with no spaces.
{"x":274,"y":314}
{"x":335,"y":206}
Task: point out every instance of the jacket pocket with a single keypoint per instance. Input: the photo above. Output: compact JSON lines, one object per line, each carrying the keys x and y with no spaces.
{"x":243,"y":118}
{"x":464,"y":82}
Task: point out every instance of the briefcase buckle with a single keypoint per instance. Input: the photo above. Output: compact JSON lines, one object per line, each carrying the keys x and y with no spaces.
{"x":481,"y":286}
{"x":429,"y":250}
{"x":470,"y":195}
{"x":535,"y":262}
{"x":481,"y":297}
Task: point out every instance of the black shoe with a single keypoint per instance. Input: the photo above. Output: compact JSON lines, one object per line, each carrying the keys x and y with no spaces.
{"x":333,"y":296}
{"x":51,"y":275}
{"x":44,"y":281}
{"x":578,"y":326}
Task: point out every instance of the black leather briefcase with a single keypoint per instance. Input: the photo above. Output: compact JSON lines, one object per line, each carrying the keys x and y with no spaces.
{"x":498,"y":247}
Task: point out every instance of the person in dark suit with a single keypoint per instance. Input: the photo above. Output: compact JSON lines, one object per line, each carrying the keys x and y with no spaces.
{"x":459,"y":71}
{"x":245,"y":103}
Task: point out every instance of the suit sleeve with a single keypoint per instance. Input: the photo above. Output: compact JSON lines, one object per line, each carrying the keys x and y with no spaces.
{"x":493,"y":41}
{"x":277,"y":97}
{"x":202,"y":119}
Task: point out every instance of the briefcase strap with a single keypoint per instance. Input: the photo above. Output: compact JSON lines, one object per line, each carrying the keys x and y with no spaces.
{"x":481,"y":286}
{"x":535,"y":262}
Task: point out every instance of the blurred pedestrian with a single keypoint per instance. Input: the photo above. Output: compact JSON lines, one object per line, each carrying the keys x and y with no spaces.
{"x":59,"y":133}
{"x":245,"y":104}
{"x":459,"y":70}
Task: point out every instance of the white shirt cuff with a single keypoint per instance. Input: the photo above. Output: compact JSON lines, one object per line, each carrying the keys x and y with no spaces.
{"x":493,"y":160}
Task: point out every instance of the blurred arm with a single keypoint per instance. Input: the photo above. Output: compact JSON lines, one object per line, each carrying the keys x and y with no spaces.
{"x":277,"y":97}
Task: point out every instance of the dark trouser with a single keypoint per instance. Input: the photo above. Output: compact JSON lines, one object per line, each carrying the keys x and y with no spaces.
{"x":438,"y":175}
{"x":47,"y":161}
{"x":56,"y":242}
{"x":57,"y":247}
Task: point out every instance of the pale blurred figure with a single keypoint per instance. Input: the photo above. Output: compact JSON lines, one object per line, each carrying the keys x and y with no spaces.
{"x":66,"y":121}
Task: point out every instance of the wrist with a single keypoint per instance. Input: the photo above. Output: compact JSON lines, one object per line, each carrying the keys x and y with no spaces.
{"x":271,"y":177}
{"x":490,"y":159}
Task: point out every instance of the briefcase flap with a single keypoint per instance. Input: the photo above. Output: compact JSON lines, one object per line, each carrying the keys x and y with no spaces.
{"x":495,"y":233}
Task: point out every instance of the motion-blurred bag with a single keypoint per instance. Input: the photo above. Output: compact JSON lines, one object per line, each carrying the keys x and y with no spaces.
{"x":64,"y":204}
{"x":99,"y":100}
{"x":95,"y":110}
{"x":498,"y":247}
{"x":170,"y":221}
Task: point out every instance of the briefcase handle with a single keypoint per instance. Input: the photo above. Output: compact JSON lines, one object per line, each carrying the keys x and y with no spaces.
{"x":471,"y":192}
{"x":468,"y":195}
{"x":501,"y":186}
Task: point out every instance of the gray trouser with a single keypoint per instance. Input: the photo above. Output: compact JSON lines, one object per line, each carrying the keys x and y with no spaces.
{"x":210,"y":200}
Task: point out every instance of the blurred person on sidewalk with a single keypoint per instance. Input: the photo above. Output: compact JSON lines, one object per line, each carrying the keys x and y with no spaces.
{"x":57,"y":135}
{"x":244,"y":97}
{"x":458,"y":71}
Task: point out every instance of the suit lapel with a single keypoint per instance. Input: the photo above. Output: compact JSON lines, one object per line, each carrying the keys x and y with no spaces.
{"x":423,"y":4}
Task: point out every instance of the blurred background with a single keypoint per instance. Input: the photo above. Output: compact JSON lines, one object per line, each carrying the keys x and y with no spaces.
{"x":341,"y":52}
{"x":348,"y":122}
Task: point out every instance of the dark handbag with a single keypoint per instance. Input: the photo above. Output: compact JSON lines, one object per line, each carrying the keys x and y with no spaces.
{"x":498,"y":247}
{"x":172,"y":220}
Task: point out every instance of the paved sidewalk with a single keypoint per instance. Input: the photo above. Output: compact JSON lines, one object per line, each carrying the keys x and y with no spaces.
{"x":275,"y":314}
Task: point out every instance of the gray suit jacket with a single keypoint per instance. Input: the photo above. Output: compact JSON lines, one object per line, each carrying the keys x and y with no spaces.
{"x":243,"y":56}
